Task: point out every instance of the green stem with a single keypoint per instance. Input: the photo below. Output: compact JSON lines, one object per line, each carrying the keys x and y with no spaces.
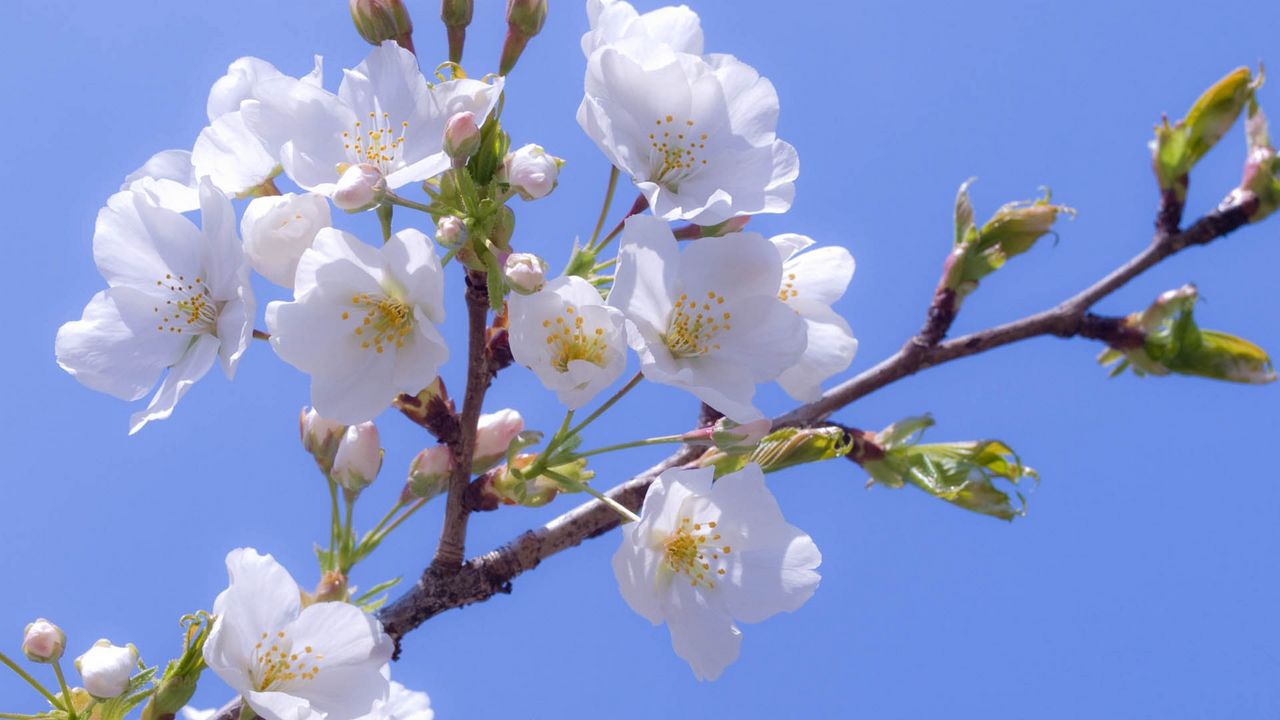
{"x":385,"y":519}
{"x":664,"y":440}
{"x":333,"y":520}
{"x":553,"y":444}
{"x":246,"y":712}
{"x":604,"y":209}
{"x":403,"y":202}
{"x":385,"y":211}
{"x":405,"y":516}
{"x":608,"y":403}
{"x":627,"y":515}
{"x":66,"y":692}
{"x":32,"y":681}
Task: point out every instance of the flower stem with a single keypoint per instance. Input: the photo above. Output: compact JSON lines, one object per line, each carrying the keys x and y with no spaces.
{"x":333,"y":521}
{"x":637,"y":207}
{"x":666,"y":439}
{"x":30,"y":680}
{"x":66,"y":692}
{"x":246,"y":711}
{"x":607,"y":403}
{"x":385,"y":211}
{"x":627,"y":515}
{"x":394,"y":199}
{"x":604,"y":208}
{"x":385,"y":519}
{"x":404,"y":516}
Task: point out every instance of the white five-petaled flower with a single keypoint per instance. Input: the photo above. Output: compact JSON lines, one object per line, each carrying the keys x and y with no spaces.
{"x":384,"y":115}
{"x":569,"y":338}
{"x":704,"y":556}
{"x":278,"y":229}
{"x":708,"y":320}
{"x":616,"y":23}
{"x":695,"y":134}
{"x":811,"y":282}
{"x":178,"y":297}
{"x":236,"y":158}
{"x":289,"y":662}
{"x":363,"y":322}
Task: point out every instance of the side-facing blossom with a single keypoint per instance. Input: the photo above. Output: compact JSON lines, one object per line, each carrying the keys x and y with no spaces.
{"x":569,"y":338}
{"x":106,"y":668}
{"x":811,"y":282}
{"x":178,"y":297}
{"x":227,"y":151}
{"x":289,"y":662}
{"x":616,"y":23}
{"x":384,"y":115}
{"x":708,"y":319}
{"x":402,"y":704}
{"x":695,"y":134}
{"x":363,"y":322}
{"x":278,"y":229}
{"x":706,"y":555}
{"x":531,"y":172}
{"x":494,"y":433}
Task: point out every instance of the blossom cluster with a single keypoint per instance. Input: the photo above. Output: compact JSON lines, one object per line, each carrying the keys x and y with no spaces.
{"x":694,"y":132}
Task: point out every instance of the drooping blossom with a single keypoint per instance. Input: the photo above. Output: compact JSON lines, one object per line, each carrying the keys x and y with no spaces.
{"x":705,"y":556}
{"x":363,"y":322}
{"x":708,"y":319}
{"x":811,"y":283}
{"x":569,"y":338}
{"x":288,"y":662}
{"x":178,"y":297}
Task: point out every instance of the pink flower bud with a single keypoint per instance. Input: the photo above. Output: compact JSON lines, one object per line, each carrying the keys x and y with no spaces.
{"x":451,"y":231}
{"x":526,"y":273}
{"x":361,"y":187}
{"x":494,"y":434}
{"x":43,"y":642}
{"x":531,"y":171}
{"x":381,"y":20}
{"x":461,"y":137}
{"x":106,"y":669}
{"x":320,"y":437}
{"x":359,"y":457}
{"x":429,"y":472}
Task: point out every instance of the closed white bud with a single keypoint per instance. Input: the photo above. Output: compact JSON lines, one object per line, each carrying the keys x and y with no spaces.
{"x":526,"y":273}
{"x":361,"y":187}
{"x":320,"y":437}
{"x":430,"y":470}
{"x":531,"y":171}
{"x":277,"y":229}
{"x":43,"y":642}
{"x":451,"y":231}
{"x":494,"y":434}
{"x":359,"y":457}
{"x":106,"y":668}
{"x":461,"y":137}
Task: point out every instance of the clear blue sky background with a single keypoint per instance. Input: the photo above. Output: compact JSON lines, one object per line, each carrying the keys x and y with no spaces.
{"x":1143,"y":583}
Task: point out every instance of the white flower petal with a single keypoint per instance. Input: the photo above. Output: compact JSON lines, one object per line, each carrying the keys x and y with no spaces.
{"x":195,"y":363}
{"x":115,"y":348}
{"x":829,"y":349}
{"x":278,"y":229}
{"x":138,"y":243}
{"x":168,"y":178}
{"x":703,"y":635}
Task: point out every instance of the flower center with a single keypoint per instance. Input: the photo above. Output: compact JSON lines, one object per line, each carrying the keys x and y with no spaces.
{"x":788,"y":290}
{"x":189,"y":307}
{"x":675,"y":150}
{"x":375,"y":142}
{"x":694,"y":326}
{"x":689,"y":550}
{"x":570,"y":341}
{"x":275,"y":662}
{"x":380,"y":321}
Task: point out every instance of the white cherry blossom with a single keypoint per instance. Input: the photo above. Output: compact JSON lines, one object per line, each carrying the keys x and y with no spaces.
{"x":288,"y":662}
{"x":278,"y":229}
{"x":402,"y":704}
{"x":616,"y":23}
{"x":106,"y":668}
{"x":178,"y":297}
{"x":811,"y":282}
{"x":363,"y":322}
{"x":569,"y":338}
{"x":384,"y":114}
{"x":706,"y":555}
{"x":707,"y":319}
{"x":695,"y":134}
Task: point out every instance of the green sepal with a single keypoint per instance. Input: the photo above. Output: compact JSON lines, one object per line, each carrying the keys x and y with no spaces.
{"x":782,"y":449}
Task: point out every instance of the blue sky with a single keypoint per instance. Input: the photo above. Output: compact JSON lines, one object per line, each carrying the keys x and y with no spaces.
{"x":1143,"y":583}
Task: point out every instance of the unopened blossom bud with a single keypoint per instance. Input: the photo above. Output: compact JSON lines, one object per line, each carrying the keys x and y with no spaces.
{"x":451,"y":231}
{"x":430,"y":470}
{"x":729,"y":435}
{"x":380,"y":20}
{"x":526,"y":273}
{"x":524,"y":20}
{"x":43,"y":642}
{"x":456,"y":15}
{"x":320,"y":437}
{"x":531,"y":172}
{"x":359,"y":458}
{"x":461,"y":137}
{"x":360,"y":187}
{"x":494,"y":433}
{"x":693,"y":232}
{"x":106,"y":669}
{"x":1176,"y":149}
{"x":1260,"y":184}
